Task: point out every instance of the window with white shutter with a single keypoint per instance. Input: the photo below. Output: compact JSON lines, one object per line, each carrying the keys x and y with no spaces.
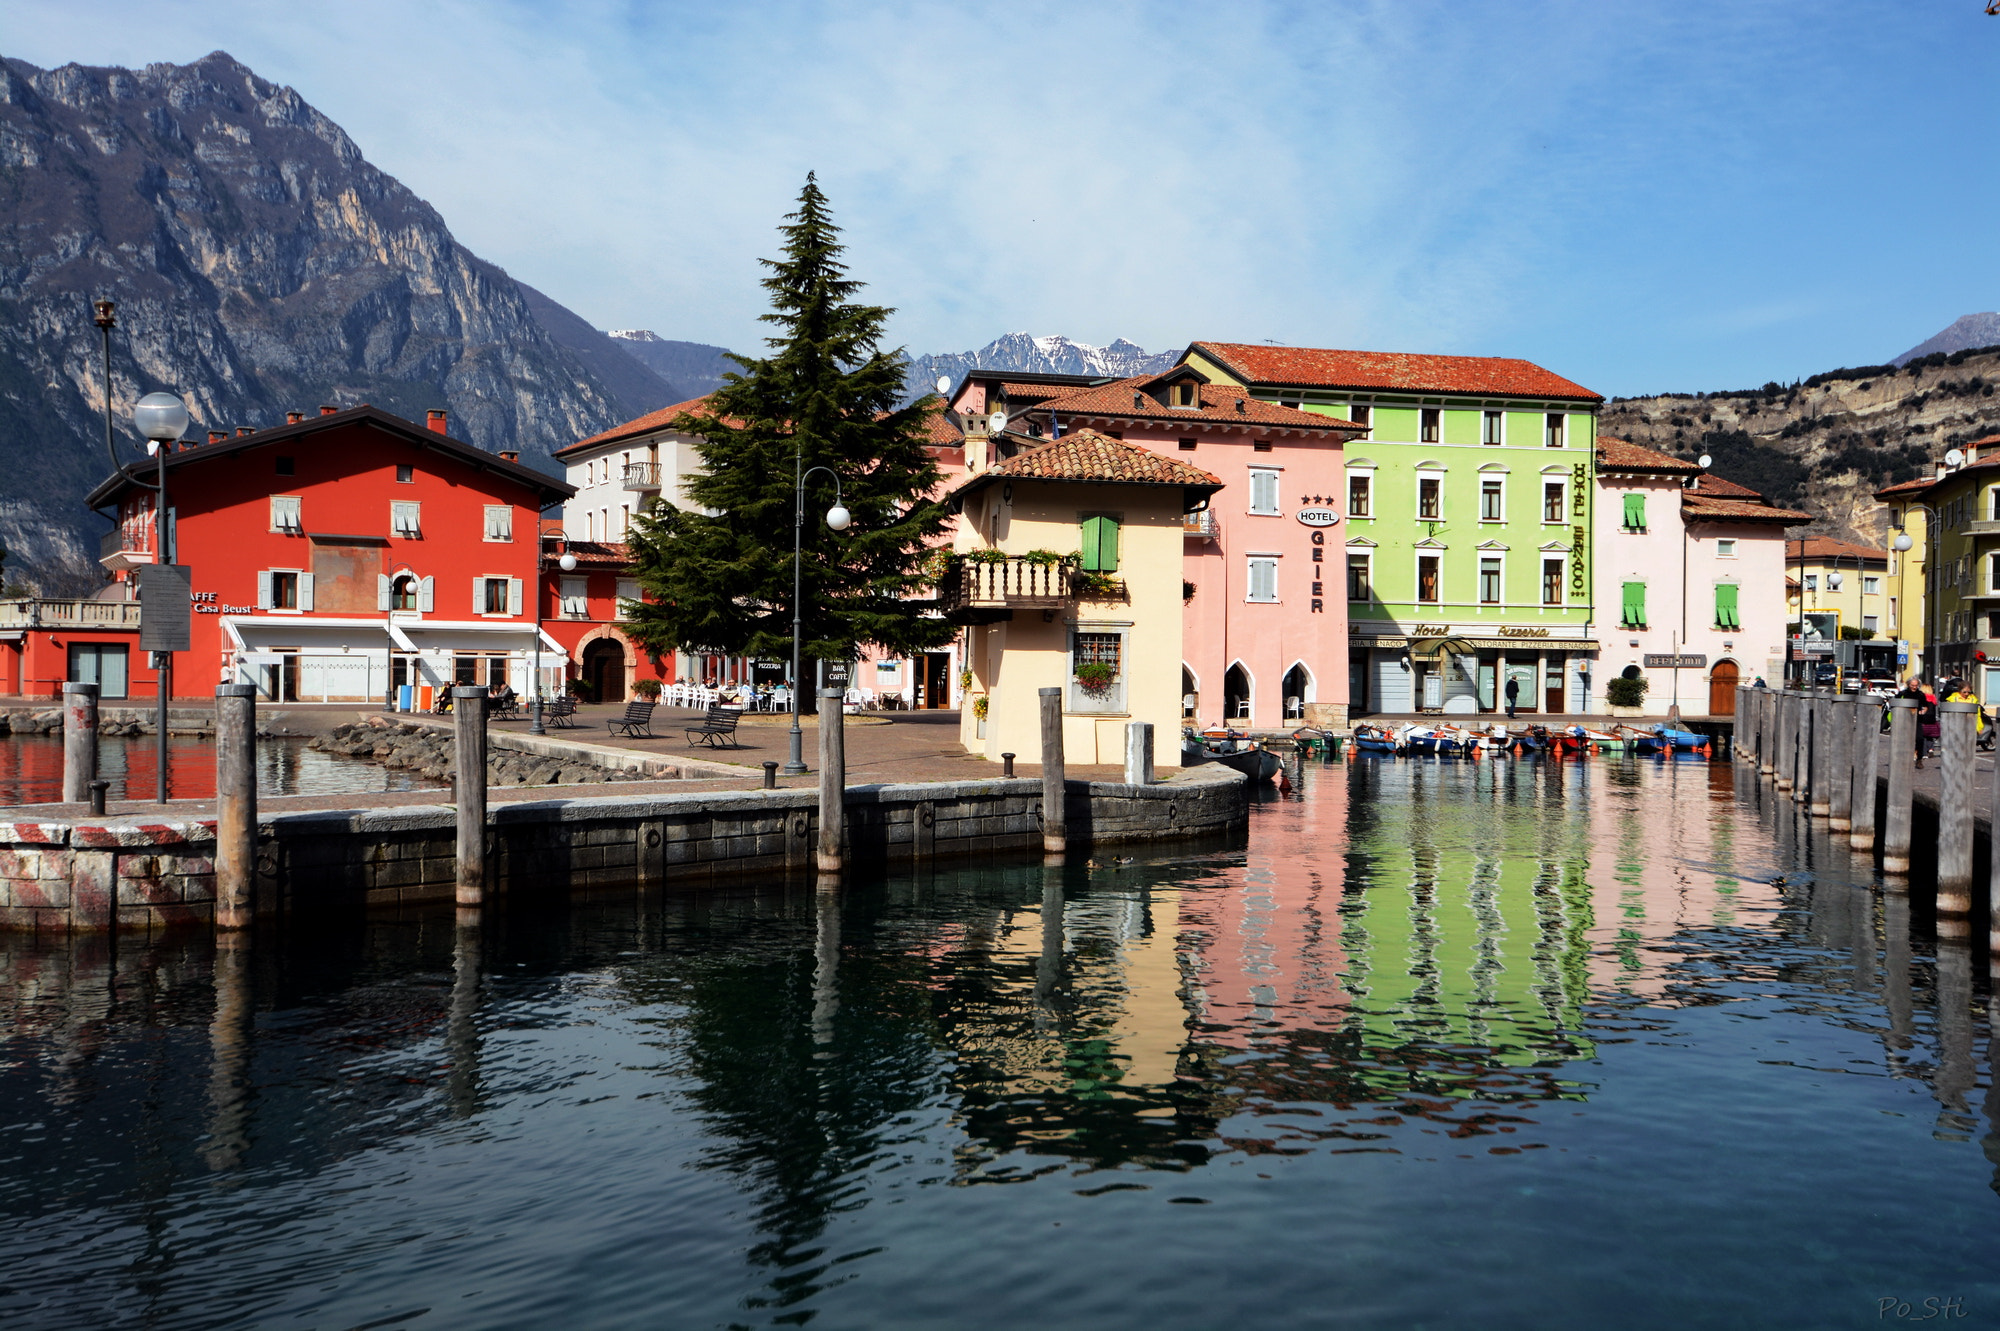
{"x":382,"y":591}
{"x":264,"y":590}
{"x":1263,"y":491}
{"x":575,"y":602}
{"x":513,"y":596}
{"x":499,"y":522}
{"x":305,"y":591}
{"x":628,"y":590}
{"x":426,"y":596}
{"x":406,"y":517}
{"x":1263,"y":578}
{"x":285,"y":513}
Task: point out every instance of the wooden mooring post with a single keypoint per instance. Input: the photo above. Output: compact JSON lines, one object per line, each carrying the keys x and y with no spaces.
{"x":1788,"y":740}
{"x":1865,"y":750}
{"x":832,"y":780}
{"x":235,"y":805}
{"x":1767,"y":734}
{"x":1954,"y":851}
{"x":1896,"y":819}
{"x":1055,"y":821}
{"x":1818,"y":801}
{"x":79,"y":722}
{"x":468,"y":708}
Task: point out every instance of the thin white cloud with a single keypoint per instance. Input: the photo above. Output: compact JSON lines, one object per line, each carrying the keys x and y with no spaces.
{"x":1539,"y":179}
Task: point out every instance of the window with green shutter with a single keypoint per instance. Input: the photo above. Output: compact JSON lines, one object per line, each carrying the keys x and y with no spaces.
{"x":1635,"y":512}
{"x":1634,"y":600}
{"x":1100,"y":544}
{"x":1725,"y":606}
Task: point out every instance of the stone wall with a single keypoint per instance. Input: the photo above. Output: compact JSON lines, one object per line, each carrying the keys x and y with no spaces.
{"x":62,"y":876}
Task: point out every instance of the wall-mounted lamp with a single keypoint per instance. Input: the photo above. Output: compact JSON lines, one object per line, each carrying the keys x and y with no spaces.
{"x":1404,"y":661}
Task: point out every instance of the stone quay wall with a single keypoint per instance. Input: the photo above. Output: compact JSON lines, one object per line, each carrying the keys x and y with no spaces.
{"x":134,"y":874}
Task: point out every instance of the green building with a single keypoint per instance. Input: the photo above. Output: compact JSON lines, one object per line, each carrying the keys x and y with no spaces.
{"x":1467,"y":516}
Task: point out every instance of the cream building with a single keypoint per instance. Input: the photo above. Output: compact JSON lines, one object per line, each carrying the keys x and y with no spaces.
{"x":1068,"y":558}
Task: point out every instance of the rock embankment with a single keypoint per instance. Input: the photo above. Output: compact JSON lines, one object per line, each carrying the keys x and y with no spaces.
{"x":428,"y":752}
{"x":48,"y":721}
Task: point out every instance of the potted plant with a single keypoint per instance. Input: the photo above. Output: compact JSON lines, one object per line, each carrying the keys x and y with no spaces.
{"x":1626,"y":697}
{"x":1097,"y":586}
{"x":1046,"y":558}
{"x":1096,"y":677}
{"x":647,"y":690}
{"x":986,"y":557}
{"x":582,"y":691}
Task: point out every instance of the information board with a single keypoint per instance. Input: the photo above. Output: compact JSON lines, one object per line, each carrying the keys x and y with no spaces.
{"x":166,"y":609}
{"x":1665,"y":662}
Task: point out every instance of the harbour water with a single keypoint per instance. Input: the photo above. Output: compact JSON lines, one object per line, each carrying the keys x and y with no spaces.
{"x":31,"y":769}
{"x":1498,"y":1045}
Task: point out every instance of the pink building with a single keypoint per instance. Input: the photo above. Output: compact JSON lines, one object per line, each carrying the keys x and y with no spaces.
{"x":1265,"y":619}
{"x":1689,"y":567}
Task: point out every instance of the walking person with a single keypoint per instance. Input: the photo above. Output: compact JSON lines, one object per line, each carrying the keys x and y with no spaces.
{"x":1926,"y":718}
{"x":1513,"y":696}
{"x":1958,"y":691}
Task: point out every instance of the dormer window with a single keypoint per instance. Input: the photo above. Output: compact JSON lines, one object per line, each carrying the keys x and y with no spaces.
{"x":1184,"y":395}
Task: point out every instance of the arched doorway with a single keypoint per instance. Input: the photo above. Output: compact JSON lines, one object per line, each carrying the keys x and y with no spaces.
{"x":604,"y":670}
{"x":1190,"y":695}
{"x":1298,"y":690}
{"x":1722,"y":689}
{"x":1236,"y":694}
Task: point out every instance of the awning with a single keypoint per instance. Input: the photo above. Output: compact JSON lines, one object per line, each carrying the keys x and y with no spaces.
{"x":262,"y":633}
{"x":1432,"y":649}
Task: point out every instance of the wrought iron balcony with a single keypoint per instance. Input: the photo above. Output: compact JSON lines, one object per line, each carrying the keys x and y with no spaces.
{"x":115,"y":550}
{"x":1200,"y":525}
{"x":642,"y":476}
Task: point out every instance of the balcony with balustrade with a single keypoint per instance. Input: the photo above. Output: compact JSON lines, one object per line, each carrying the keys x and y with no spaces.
{"x":118,"y":550}
{"x":44,"y":613}
{"x":642,"y":476}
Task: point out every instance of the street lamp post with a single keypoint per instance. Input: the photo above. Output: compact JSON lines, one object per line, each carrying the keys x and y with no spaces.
{"x":838,"y":518}
{"x":162,"y":418}
{"x":565,"y":563}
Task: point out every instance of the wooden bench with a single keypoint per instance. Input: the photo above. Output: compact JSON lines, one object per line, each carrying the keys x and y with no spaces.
{"x":718,"y":725}
{"x":637,"y":723}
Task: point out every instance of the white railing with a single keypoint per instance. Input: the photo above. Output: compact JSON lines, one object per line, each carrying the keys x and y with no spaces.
{"x":40,"y":613}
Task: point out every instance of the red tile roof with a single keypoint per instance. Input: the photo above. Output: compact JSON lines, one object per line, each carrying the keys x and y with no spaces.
{"x":1721,"y":487}
{"x":1828,"y":547}
{"x":646,"y":424}
{"x":1308,"y":367}
{"x":940,"y":432}
{"x":1129,"y":399}
{"x":1089,"y":457}
{"x":1615,"y":454}
{"x":1748,"y":510}
{"x":1912,"y":489}
{"x":600,"y":554}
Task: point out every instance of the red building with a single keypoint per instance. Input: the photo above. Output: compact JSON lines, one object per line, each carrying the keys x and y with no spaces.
{"x":338,"y":558}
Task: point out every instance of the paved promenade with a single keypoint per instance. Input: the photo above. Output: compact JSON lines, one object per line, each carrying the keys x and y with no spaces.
{"x":882,"y":747}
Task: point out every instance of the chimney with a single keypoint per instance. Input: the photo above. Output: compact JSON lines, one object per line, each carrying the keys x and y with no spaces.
{"x":217,"y":436}
{"x":244,"y":432}
{"x":294,"y":417}
{"x":435,"y":419}
{"x":509,"y":455}
{"x":325,"y":410}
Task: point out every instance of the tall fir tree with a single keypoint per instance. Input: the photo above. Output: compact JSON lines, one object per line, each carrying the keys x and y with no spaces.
{"x":718,"y":575}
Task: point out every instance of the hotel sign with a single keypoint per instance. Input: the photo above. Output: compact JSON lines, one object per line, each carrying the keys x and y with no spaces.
{"x":1319,"y":517}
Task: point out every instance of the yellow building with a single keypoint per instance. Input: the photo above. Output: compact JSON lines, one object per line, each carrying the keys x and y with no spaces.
{"x":1822,"y":573}
{"x":1067,"y":573}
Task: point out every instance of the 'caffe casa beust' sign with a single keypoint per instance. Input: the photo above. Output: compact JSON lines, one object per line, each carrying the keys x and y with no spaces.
{"x":1318,"y":517}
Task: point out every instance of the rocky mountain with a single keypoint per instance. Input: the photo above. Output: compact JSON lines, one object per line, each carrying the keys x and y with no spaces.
{"x":1039,"y":355}
{"x":1966,"y":332}
{"x":693,"y":367}
{"x":259,"y":264}
{"x":1825,"y":444}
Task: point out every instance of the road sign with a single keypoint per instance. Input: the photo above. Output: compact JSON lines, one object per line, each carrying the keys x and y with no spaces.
{"x":166,"y":608}
{"x":1664,"y":662}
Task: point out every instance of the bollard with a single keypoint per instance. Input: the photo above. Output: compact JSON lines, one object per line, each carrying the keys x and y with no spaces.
{"x":1767,"y":748}
{"x":1055,"y":820}
{"x":1865,"y":748}
{"x":1840,"y":764}
{"x":1954,"y":850}
{"x":79,"y":717}
{"x":832,"y":779}
{"x":1007,"y":764}
{"x":1820,"y":801}
{"x":98,"y":790}
{"x":1138,"y":753}
{"x":468,"y":709}
{"x":1902,"y":782}
{"x":770,"y":776}
{"x":1787,"y":754}
{"x":235,"y":805}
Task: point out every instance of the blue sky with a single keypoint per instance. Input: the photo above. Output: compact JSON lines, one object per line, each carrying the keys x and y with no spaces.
{"x":1641,"y":197}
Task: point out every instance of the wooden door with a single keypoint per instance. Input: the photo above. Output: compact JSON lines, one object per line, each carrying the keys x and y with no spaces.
{"x":1554,"y":700}
{"x":1722,"y":689}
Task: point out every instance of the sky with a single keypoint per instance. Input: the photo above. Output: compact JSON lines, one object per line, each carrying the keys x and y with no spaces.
{"x":1641,"y":197}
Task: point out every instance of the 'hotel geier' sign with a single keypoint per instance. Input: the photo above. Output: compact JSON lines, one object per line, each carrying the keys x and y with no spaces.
{"x":1318,"y":517}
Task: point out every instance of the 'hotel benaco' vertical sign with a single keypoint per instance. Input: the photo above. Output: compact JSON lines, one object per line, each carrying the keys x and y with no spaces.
{"x":1579,"y":581}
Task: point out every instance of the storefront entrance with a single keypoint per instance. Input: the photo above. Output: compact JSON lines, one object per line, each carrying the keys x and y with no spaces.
{"x":934,"y":683}
{"x":604,"y":670}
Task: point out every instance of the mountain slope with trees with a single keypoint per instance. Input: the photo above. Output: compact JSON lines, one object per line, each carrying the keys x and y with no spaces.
{"x":1827,"y":443}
